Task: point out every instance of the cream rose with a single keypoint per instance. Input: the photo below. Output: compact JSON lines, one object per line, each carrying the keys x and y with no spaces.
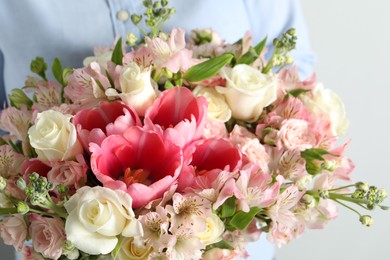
{"x":130,"y":251}
{"x":213,"y":232}
{"x":136,"y":88}
{"x":97,"y":216}
{"x":218,"y":109}
{"x":324,"y":102}
{"x":54,"y":137}
{"x":101,"y":59}
{"x":247,"y":91}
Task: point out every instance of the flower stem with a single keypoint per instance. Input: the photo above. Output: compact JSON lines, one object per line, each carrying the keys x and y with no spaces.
{"x":8,"y":211}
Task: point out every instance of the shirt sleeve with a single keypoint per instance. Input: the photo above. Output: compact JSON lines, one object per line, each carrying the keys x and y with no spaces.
{"x":272,"y":18}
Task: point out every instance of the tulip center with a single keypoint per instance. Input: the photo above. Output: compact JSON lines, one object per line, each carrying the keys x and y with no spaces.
{"x":136,"y":176}
{"x":200,"y":172}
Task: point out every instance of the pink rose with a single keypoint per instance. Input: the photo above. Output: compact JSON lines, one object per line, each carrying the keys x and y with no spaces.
{"x":30,"y":254}
{"x":250,"y":146}
{"x":48,"y":235}
{"x":95,"y":124}
{"x":72,"y":174}
{"x":295,"y":134}
{"x":142,"y":163}
{"x":13,"y":231}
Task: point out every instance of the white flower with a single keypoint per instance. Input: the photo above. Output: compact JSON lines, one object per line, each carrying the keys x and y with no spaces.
{"x":213,"y":232}
{"x":324,"y":102}
{"x":54,"y":137}
{"x":136,"y":88}
{"x":218,"y":110}
{"x":97,"y":216}
{"x":248,"y":91}
{"x":101,"y":58}
{"x":129,"y":250}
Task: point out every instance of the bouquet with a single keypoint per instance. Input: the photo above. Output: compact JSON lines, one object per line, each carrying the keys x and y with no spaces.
{"x":170,"y":149}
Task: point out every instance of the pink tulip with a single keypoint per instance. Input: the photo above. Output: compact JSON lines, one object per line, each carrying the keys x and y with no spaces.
{"x":94,"y":125}
{"x":140,"y":162}
{"x":181,"y":113}
{"x":209,"y":156}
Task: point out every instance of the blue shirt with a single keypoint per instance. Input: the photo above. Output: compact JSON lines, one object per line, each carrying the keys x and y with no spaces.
{"x":71,"y":29}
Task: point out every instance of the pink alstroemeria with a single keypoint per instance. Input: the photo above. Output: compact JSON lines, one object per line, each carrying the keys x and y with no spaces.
{"x":182,"y":244}
{"x":48,"y":95}
{"x":318,"y":216}
{"x":256,"y":188}
{"x":189,"y":211}
{"x":10,"y":161}
{"x":16,"y":122}
{"x":84,"y":87}
{"x":290,"y":80}
{"x":94,"y":125}
{"x":292,"y":108}
{"x":170,"y":53}
{"x":343,"y":166}
{"x":143,"y":56}
{"x":140,"y":162}
{"x":180,"y":113}
{"x":281,"y":212}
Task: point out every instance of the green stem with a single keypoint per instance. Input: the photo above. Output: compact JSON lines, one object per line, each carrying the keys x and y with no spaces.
{"x":44,"y":213}
{"x":348,"y":207}
{"x":269,"y":65}
{"x":335,"y":196}
{"x":53,"y":207}
{"x":343,"y":187}
{"x":8,"y":211}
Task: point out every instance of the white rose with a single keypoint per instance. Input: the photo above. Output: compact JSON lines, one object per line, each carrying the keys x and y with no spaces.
{"x":101,"y":58}
{"x":324,"y":102}
{"x":218,"y":109}
{"x":54,"y":137}
{"x":247,"y":91}
{"x":97,"y":216}
{"x":131,"y":251}
{"x":136,"y":88}
{"x":213,"y":232}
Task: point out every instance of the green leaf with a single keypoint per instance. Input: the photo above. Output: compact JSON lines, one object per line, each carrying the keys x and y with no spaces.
{"x":65,"y":74}
{"x":208,"y":68}
{"x":57,"y":71}
{"x":117,"y":54}
{"x":223,"y":244}
{"x":168,"y":85}
{"x":39,"y":67}
{"x":242,"y":219}
{"x":17,"y":98}
{"x":228,"y":208}
{"x":296,"y":92}
{"x":312,"y":157}
{"x":314,"y":154}
{"x":253,"y":53}
{"x":313,"y":168}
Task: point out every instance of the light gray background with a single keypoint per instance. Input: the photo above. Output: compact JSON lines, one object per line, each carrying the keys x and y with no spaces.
{"x":352,"y":41}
